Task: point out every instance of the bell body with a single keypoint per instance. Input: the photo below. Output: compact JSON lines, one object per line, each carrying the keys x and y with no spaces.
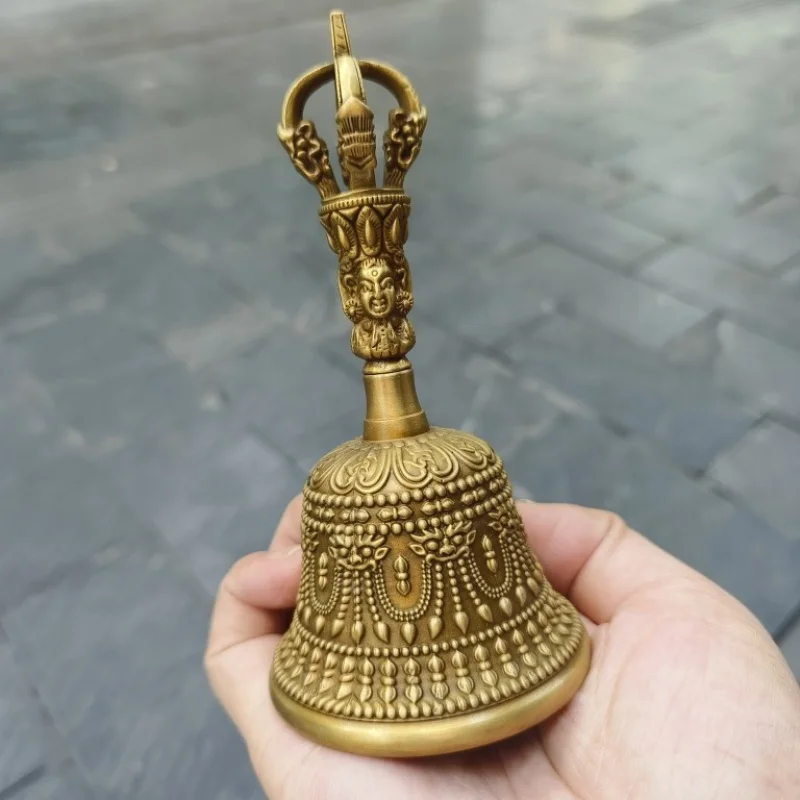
{"x":424,"y":624}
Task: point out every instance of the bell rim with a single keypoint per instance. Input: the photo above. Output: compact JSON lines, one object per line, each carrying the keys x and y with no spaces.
{"x":432,"y":737}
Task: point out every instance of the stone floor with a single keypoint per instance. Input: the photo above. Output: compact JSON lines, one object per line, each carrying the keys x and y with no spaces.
{"x":606,"y":253}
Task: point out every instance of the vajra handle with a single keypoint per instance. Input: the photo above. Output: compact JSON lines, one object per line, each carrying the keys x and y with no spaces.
{"x":366,"y":225}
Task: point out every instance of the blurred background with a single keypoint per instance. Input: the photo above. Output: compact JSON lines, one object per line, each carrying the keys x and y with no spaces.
{"x":605,"y":244}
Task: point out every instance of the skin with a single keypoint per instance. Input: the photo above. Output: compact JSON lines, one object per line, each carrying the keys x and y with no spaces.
{"x":687,"y":698}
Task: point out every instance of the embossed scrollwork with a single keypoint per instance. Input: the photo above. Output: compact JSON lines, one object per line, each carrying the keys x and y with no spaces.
{"x":415,"y":463}
{"x":401,"y":143}
{"x":309,"y":155}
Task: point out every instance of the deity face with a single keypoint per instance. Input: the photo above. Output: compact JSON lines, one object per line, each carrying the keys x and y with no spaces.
{"x":376,"y":288}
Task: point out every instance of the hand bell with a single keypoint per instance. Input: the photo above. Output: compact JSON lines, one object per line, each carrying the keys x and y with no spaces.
{"x":424,"y":623}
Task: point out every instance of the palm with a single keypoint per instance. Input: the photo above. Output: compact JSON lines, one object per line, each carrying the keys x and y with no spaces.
{"x":673,"y":707}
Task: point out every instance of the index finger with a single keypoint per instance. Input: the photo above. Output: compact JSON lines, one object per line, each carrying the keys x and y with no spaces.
{"x":595,"y":559}
{"x":287,"y":534}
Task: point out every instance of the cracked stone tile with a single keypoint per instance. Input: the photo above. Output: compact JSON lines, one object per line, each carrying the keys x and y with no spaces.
{"x":579,"y":461}
{"x":749,"y":241}
{"x":670,"y":216}
{"x":764,"y":372}
{"x":64,"y":784}
{"x":762,"y":469}
{"x":713,"y":283}
{"x":782,"y":212}
{"x":142,"y":721}
{"x":62,"y":513}
{"x":681,"y":410}
{"x":21,"y":723}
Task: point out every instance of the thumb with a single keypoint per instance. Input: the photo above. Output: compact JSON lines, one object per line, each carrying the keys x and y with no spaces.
{"x":253,"y":598}
{"x":253,"y":606}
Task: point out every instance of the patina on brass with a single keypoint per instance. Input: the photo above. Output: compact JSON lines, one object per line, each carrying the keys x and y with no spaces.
{"x":424,"y":624}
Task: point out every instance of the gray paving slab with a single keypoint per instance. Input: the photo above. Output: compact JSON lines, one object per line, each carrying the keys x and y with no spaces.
{"x":593,"y":232}
{"x":792,"y":276}
{"x":764,"y":372}
{"x":31,"y":432}
{"x":477,"y":394}
{"x":286,"y":385}
{"x":647,"y":25}
{"x":752,"y":242}
{"x":25,"y":261}
{"x":459,"y":386}
{"x":491,"y":304}
{"x":196,"y":483}
{"x":308,"y":448}
{"x":63,"y":190}
{"x":578,"y":461}
{"x":141,"y":720}
{"x":621,"y":304}
{"x":54,"y":518}
{"x":62,"y":115}
{"x":137,"y":280}
{"x":676,"y":170}
{"x":685,"y":413}
{"x":746,"y":174}
{"x":762,"y":469}
{"x":234,"y":205}
{"x":153,"y":287}
{"x":781,"y":212}
{"x":65,"y":784}
{"x":107,"y":414}
{"x":22,"y":723}
{"x":499,"y":224}
{"x":87,"y":346}
{"x":586,"y":183}
{"x":670,"y":216}
{"x":714,"y":283}
{"x":106,"y":376}
{"x":605,"y":260}
{"x":581,"y":144}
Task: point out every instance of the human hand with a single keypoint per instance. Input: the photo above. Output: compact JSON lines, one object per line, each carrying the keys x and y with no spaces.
{"x":687,"y":696}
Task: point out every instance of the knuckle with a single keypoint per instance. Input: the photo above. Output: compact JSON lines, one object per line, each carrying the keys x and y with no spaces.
{"x":613,"y":532}
{"x":614,"y":526}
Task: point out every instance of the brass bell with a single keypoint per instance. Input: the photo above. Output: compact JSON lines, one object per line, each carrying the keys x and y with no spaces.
{"x":424,"y":624}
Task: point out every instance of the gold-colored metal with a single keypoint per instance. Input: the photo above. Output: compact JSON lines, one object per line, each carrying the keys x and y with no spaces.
{"x":424,"y":624}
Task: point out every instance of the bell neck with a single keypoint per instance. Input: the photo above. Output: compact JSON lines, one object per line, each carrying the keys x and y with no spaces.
{"x":393,"y":408}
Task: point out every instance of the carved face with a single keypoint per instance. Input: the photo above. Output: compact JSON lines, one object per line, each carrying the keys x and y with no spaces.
{"x":376,"y":288}
{"x":443,"y":543}
{"x":357,"y":550}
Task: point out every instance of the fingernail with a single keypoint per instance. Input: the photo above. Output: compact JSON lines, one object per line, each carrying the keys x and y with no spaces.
{"x":526,"y":500}
{"x":285,"y":553}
